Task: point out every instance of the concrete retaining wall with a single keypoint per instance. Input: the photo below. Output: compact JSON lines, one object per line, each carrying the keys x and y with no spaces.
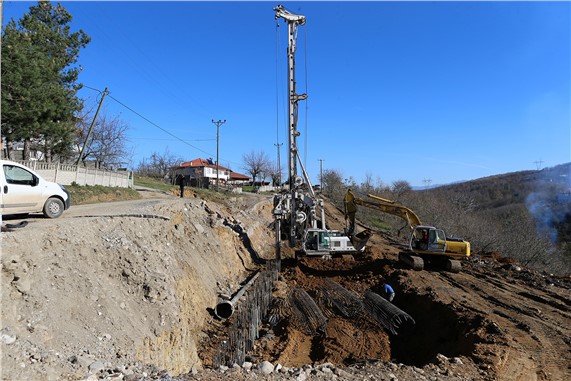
{"x":66,"y":174}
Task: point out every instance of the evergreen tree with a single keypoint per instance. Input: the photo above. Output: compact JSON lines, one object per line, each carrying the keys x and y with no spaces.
{"x":39,"y":79}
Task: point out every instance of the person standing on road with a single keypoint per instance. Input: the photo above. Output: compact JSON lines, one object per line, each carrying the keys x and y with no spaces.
{"x":180,"y":179}
{"x":388,"y":292}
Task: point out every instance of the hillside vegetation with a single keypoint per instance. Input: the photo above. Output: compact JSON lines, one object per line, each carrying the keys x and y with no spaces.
{"x":522,"y":215}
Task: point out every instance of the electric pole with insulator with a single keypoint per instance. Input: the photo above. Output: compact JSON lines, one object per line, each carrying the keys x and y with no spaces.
{"x":279,"y":164}
{"x":218,"y":123}
{"x":321,"y":175}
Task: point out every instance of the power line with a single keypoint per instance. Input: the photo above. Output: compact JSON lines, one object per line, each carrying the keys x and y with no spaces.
{"x":156,"y":125}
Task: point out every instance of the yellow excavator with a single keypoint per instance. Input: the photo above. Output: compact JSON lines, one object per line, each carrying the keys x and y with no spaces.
{"x":425,"y":243}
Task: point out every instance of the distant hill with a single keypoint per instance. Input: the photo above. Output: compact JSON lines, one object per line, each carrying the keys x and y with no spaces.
{"x":512,"y":188}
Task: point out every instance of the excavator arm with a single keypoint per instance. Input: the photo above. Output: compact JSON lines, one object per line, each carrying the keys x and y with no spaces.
{"x":382,"y":205}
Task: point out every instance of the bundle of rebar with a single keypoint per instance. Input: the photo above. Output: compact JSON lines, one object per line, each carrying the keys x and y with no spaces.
{"x":309,"y":317}
{"x":387,"y":314}
{"x":340,"y":299}
{"x":245,"y":322}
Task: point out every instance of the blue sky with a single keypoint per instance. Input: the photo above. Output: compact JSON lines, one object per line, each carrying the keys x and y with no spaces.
{"x":445,"y":91}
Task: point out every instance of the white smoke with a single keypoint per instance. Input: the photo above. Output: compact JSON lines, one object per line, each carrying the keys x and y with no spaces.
{"x":551,"y":202}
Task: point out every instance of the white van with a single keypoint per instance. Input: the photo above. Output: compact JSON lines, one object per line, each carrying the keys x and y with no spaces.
{"x":23,"y":191}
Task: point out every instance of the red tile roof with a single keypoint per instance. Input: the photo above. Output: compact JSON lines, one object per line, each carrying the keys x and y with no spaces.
{"x":199,"y":163}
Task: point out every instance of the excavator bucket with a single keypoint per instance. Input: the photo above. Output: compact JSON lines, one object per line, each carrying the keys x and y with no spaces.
{"x":359,"y":240}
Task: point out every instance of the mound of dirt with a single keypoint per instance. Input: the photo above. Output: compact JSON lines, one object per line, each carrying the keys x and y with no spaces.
{"x":116,"y":284}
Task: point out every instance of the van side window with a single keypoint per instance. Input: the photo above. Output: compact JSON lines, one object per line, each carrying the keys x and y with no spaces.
{"x":17,"y":175}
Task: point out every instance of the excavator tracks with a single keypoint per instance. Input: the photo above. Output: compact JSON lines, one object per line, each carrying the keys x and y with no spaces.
{"x":416,"y":262}
{"x":412,"y":261}
{"x":453,"y":265}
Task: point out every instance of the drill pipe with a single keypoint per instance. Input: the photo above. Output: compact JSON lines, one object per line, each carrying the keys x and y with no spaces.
{"x":387,"y":314}
{"x":225,"y":309}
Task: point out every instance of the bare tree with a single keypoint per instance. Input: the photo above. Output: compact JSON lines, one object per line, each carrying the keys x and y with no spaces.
{"x":256,"y":164}
{"x":400,"y":188}
{"x":275,"y":173}
{"x":158,"y":165}
{"x":367,"y":185}
{"x":107,"y":143}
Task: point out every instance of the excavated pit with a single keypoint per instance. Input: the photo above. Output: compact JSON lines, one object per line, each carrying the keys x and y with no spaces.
{"x":292,"y":339}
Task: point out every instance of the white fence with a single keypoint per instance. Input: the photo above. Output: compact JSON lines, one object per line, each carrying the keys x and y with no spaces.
{"x":66,"y":174}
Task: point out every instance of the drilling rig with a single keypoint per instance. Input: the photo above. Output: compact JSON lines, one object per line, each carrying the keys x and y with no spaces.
{"x":299,"y":215}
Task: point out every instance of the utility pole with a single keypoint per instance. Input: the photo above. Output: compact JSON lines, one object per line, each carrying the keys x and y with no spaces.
{"x":218,"y":123}
{"x":279,"y":163}
{"x":538,"y":164}
{"x":321,"y":174}
{"x":105,"y":92}
{"x":427,"y":182}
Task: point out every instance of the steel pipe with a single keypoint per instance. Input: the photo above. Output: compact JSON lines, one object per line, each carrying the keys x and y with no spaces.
{"x":225,"y":309}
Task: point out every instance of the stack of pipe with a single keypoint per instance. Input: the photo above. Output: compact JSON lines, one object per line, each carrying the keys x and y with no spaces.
{"x":387,"y":314}
{"x":309,"y":316}
{"x":340,"y":299}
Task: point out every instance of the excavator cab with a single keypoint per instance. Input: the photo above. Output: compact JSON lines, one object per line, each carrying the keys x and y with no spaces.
{"x":427,"y":239}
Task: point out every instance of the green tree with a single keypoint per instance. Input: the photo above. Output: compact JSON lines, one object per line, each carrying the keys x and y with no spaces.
{"x":39,"y":79}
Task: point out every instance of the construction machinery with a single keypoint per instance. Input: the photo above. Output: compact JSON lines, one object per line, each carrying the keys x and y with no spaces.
{"x":425,"y":243}
{"x":299,"y":215}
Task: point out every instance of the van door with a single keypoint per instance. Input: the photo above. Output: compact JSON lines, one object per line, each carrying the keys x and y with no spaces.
{"x":20,"y":192}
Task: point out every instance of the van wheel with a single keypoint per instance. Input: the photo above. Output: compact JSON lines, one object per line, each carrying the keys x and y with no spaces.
{"x":53,"y":208}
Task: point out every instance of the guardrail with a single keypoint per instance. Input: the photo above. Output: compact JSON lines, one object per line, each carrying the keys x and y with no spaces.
{"x":66,"y":174}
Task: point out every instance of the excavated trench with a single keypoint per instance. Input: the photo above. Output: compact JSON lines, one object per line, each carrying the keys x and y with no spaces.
{"x":306,"y":324}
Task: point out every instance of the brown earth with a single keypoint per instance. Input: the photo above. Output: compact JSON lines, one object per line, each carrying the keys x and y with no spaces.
{"x":130,"y":289}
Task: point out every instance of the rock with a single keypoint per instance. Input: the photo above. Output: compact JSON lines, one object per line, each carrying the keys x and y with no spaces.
{"x":247,"y":365}
{"x":442,"y":358}
{"x":301,"y":377}
{"x":96,"y":366}
{"x":266,"y":367}
{"x":82,"y":361}
{"x":114,"y":377}
{"x":199,"y":228}
{"x":341,"y":373}
{"x":7,"y":336}
{"x":23,"y":284}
